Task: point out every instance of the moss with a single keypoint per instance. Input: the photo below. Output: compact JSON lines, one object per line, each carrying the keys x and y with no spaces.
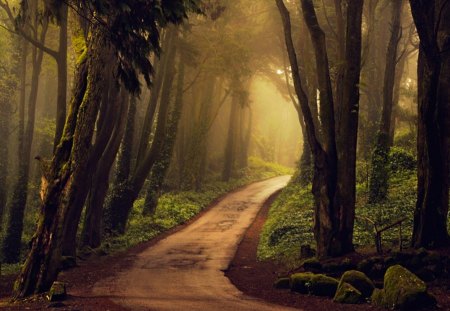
{"x":314,"y":284}
{"x":360,"y":281}
{"x":322,"y":285}
{"x":404,"y":290}
{"x":377,"y":297}
{"x":282,"y":283}
{"x":300,"y":282}
{"x":348,"y":294}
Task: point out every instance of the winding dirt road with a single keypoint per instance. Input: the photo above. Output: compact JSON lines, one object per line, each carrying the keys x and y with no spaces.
{"x":185,"y":270}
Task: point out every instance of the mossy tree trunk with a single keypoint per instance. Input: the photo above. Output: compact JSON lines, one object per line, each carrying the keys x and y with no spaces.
{"x":378,"y":185}
{"x":120,"y":203}
{"x":161,"y":166}
{"x":430,"y":218}
{"x":62,"y":178}
{"x":334,"y":200}
{"x":92,"y":233}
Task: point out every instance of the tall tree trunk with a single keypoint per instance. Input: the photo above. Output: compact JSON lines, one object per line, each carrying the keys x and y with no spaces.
{"x":61,"y":62}
{"x":430,"y":218}
{"x":230,"y":148}
{"x":348,"y":132}
{"x":121,"y":201}
{"x":62,"y":179}
{"x":92,"y":233}
{"x":333,"y":217}
{"x":12,"y":242}
{"x":162,"y":164}
{"x":378,"y":185}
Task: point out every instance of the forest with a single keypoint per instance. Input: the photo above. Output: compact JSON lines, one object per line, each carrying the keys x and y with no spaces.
{"x":224,"y":154}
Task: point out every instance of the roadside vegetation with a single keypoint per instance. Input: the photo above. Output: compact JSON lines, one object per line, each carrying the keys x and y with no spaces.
{"x":290,"y":221}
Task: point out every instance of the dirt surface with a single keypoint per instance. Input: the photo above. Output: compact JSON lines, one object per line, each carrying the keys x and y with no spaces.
{"x":185,"y":270}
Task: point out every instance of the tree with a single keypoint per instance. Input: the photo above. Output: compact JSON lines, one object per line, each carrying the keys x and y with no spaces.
{"x":432,"y":21}
{"x":334,"y":156}
{"x":64,"y":174}
{"x":378,"y":185}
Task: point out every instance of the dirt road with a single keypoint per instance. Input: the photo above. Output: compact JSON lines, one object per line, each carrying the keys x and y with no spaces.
{"x":185,"y":270}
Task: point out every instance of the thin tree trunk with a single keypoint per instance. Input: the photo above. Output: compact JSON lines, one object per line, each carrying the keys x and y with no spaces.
{"x":61,"y":62}
{"x":13,"y":237}
{"x":378,"y":186}
{"x":162,"y":164}
{"x":230,"y":148}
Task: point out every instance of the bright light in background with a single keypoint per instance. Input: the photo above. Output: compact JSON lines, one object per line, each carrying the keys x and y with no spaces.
{"x":280,"y":71}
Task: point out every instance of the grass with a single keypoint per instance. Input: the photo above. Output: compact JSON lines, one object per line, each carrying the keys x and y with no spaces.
{"x":290,"y":221}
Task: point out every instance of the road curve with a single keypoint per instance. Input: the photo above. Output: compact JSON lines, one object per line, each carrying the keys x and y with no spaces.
{"x":185,"y":270}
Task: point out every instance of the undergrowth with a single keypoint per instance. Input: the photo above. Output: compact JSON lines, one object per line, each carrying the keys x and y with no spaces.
{"x":290,"y":221}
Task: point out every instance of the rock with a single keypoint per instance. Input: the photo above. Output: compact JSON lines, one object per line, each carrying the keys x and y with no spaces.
{"x":57,"y":291}
{"x":67,"y":262}
{"x":312,"y":265}
{"x":360,"y":281}
{"x":405,"y":291}
{"x":377,"y":297}
{"x":314,"y":284}
{"x":300,"y":282}
{"x":282,"y":283}
{"x":348,"y":294}
{"x":322,"y":285}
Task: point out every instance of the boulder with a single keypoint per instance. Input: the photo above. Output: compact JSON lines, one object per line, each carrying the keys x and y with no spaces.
{"x":299,"y":282}
{"x":377,"y":297}
{"x":57,"y":291}
{"x":322,"y":285}
{"x":360,"y":281}
{"x":347,"y":294}
{"x":405,"y":291}
{"x":314,"y":284}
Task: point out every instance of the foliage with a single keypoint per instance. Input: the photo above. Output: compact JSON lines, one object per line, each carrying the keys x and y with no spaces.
{"x":290,"y":221}
{"x":401,"y":160}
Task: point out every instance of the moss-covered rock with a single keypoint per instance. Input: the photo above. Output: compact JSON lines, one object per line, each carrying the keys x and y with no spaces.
{"x":322,"y":285}
{"x":405,"y":291}
{"x":314,"y":284}
{"x":57,"y":291}
{"x":377,"y":297}
{"x":347,"y":294}
{"x":360,"y":281}
{"x":300,"y":282}
{"x":282,"y":283}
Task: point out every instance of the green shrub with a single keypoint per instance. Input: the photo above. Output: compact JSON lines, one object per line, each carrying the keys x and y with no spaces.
{"x":401,"y":160}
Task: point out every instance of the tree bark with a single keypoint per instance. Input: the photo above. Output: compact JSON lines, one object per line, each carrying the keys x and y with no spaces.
{"x":430,"y":219}
{"x":378,"y":185}
{"x":62,"y":178}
